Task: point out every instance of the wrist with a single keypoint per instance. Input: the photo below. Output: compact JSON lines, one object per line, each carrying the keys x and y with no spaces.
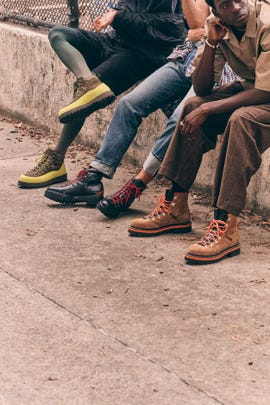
{"x":211,"y":43}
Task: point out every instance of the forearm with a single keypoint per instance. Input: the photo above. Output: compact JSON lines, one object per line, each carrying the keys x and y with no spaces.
{"x":195,"y":12}
{"x":203,"y":76}
{"x":242,"y":99}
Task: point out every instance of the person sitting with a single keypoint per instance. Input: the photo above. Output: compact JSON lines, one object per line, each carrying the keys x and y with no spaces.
{"x":105,"y":65}
{"x":239,"y":33}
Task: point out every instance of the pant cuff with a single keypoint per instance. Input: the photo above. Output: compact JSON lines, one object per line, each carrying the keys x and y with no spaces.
{"x":106,"y":170}
{"x":151,"y":164}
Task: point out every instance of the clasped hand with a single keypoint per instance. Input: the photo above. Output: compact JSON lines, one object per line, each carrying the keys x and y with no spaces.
{"x":193,"y":121}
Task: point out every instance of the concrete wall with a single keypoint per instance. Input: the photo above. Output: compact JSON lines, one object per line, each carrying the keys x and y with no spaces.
{"x":35,"y":85}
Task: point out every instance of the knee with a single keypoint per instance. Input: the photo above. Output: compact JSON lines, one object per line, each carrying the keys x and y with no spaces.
{"x":192,"y":103}
{"x":127,"y":104}
{"x":57,"y":33}
{"x":241,"y":115}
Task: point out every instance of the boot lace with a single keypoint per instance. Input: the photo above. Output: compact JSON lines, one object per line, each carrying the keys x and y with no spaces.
{"x":45,"y":163}
{"x":126,"y":195}
{"x":162,"y":208}
{"x":79,"y":88}
{"x":80,"y":176}
{"x":215,"y":231}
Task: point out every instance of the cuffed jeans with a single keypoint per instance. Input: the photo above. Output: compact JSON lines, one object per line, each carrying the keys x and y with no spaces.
{"x":166,"y":84}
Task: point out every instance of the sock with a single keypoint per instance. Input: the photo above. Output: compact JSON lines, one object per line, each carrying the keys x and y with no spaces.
{"x":220,"y":214}
{"x":139,"y":183}
{"x":96,"y":173}
{"x":178,"y":189}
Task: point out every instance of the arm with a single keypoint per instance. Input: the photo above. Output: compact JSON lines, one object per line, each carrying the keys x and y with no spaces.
{"x":203,"y":76}
{"x":196,"y":12}
{"x":197,"y":117}
{"x":151,"y":28}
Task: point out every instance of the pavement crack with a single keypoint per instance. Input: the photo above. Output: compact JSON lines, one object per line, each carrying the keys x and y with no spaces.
{"x":112,"y":337}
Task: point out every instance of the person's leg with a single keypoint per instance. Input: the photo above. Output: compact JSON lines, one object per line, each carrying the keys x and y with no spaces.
{"x":81,"y":51}
{"x":153,"y":161}
{"x":180,"y":165}
{"x":165,"y":84}
{"x":114,"y":204}
{"x":245,"y":138}
{"x":120,"y":70}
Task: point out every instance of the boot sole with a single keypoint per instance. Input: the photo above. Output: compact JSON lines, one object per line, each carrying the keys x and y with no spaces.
{"x":90,"y":201}
{"x":185,"y":228}
{"x":84,"y":111}
{"x":229,"y":252}
{"x":59,"y":179}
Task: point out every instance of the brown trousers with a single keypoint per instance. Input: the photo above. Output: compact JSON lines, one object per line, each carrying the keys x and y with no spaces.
{"x":246,"y":135}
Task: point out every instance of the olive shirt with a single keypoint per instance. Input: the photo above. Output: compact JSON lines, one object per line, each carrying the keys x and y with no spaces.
{"x":249,"y":58}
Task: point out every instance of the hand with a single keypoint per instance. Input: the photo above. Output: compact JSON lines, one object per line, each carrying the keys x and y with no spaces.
{"x":216,"y":30}
{"x":193,"y":121}
{"x":102,"y":22}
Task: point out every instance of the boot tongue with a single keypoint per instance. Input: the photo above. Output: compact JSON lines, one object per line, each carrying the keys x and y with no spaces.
{"x":169,"y":194}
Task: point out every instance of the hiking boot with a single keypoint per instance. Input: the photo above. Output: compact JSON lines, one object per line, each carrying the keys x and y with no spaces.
{"x":113,"y":205}
{"x":220,"y":240}
{"x":49,"y":170}
{"x":171,"y":215}
{"x":86,"y":188}
{"x":89,"y":96}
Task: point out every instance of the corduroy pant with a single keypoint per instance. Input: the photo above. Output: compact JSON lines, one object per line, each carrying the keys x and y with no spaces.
{"x":246,"y":135}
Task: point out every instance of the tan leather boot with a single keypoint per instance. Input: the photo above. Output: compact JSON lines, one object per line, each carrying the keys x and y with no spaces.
{"x":220,"y":240}
{"x":171,"y":215}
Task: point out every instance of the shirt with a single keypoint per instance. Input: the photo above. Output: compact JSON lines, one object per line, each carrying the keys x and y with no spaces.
{"x":249,"y":58}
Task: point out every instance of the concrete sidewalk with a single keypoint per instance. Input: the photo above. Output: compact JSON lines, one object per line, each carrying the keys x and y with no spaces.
{"x":92,"y":316}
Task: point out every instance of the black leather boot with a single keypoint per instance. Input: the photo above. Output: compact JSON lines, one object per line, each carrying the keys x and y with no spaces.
{"x":86,"y":188}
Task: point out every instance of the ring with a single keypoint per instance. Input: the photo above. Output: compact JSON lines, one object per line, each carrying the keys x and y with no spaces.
{"x":181,"y":123}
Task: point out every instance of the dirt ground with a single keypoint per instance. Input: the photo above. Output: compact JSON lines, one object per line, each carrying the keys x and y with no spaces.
{"x":90,"y":315}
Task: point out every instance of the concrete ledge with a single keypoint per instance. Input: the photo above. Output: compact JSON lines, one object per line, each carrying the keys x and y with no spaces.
{"x":35,"y":85}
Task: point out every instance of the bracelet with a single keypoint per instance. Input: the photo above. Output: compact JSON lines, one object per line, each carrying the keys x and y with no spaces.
{"x":211,"y":46}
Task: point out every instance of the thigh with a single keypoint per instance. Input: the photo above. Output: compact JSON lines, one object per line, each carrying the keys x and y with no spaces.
{"x":162,"y":86}
{"x":253,"y":121}
{"x":91,"y":45}
{"x":123,"y":69}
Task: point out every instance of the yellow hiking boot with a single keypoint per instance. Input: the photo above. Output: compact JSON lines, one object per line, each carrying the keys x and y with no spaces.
{"x":221,"y":240}
{"x":89,"y":96}
{"x":49,"y":170}
{"x":171,"y":215}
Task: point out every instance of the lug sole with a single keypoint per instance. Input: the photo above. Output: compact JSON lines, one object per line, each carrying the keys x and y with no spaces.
{"x":87,"y":109}
{"x":184,"y":228}
{"x":90,"y":201}
{"x":196,"y":259}
{"x":60,"y":179}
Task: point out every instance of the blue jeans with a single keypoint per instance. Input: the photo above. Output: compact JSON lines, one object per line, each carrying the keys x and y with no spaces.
{"x":166,"y":84}
{"x":155,"y":157}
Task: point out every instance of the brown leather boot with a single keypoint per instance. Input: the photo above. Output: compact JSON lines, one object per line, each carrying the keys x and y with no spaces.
{"x":220,"y":240}
{"x":171,"y":215}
